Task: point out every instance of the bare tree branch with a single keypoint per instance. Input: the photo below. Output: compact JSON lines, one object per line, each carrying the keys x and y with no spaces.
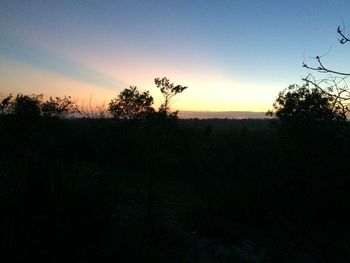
{"x":344,"y":39}
{"x":336,"y":89}
{"x":321,"y":68}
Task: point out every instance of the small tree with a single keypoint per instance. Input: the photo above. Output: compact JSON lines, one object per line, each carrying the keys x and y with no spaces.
{"x":131,"y":104}
{"x":58,"y":107}
{"x":27,"y":106}
{"x":309,"y":121}
{"x":306,"y":104}
{"x":169,"y":91}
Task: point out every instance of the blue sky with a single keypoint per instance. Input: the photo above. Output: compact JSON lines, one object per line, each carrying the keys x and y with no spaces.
{"x":233,"y":55}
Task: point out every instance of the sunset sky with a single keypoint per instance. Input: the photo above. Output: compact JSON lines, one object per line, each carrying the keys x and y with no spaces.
{"x":234,"y":55}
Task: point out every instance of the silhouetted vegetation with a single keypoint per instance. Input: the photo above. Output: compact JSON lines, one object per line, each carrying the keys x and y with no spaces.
{"x":169,"y":91}
{"x":131,"y":104}
{"x":144,"y":186}
{"x":306,"y":104}
{"x":33,"y":107}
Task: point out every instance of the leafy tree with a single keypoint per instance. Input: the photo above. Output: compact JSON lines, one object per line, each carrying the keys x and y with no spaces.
{"x":58,"y":107}
{"x":335,"y":85}
{"x":27,"y":106}
{"x":33,"y":106}
{"x":169,"y":91}
{"x":131,"y":104}
{"x":305,"y":104}
{"x":6,"y":105}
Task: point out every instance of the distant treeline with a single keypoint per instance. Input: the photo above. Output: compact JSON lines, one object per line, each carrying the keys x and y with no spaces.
{"x":144,"y":186}
{"x":159,"y":189}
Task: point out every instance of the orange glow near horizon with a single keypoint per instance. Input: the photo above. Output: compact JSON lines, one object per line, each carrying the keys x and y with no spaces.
{"x":99,"y":77}
{"x":230,"y":63}
{"x":206,"y":92}
{"x":22,"y":79}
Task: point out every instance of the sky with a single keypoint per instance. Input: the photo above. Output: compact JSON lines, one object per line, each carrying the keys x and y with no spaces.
{"x":234,"y":55}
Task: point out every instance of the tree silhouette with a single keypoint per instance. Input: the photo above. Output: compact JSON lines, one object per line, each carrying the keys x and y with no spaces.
{"x":305,"y":104}
{"x":169,"y":91}
{"x":334,"y":86}
{"x":58,"y":107}
{"x":33,"y":106}
{"x":27,"y":106}
{"x":131,"y":104}
{"x":5,"y":105}
{"x":332,"y":89}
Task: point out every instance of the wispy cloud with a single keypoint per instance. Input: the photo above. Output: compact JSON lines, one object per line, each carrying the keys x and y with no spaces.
{"x":29,"y":54}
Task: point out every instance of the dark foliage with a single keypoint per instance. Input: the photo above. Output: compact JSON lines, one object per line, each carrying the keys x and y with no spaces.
{"x":169,"y":91}
{"x":131,"y":105}
{"x":58,"y":107}
{"x":31,"y":107}
{"x":27,"y":107}
{"x":169,"y":190}
{"x":5,"y":105}
{"x":305,"y":104}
